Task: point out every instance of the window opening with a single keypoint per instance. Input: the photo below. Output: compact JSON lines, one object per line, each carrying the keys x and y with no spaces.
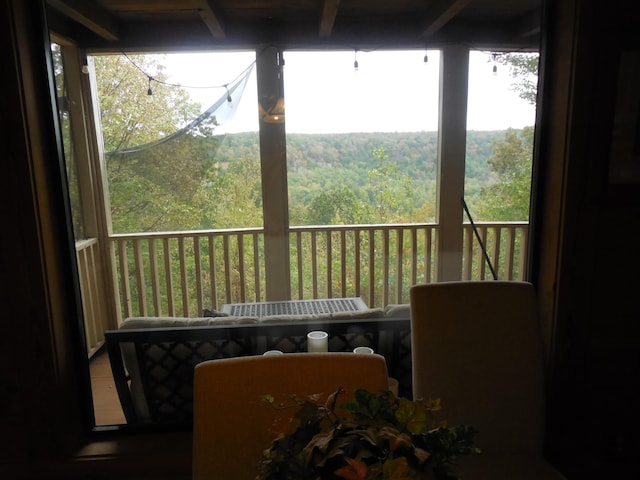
{"x":362,"y":149}
{"x":70,"y":159}
{"x":165,"y":119}
{"x":500,"y":128}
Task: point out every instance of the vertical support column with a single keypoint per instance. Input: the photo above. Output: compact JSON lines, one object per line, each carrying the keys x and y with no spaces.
{"x":273,"y":161}
{"x":454,"y":80}
{"x":94,"y":198}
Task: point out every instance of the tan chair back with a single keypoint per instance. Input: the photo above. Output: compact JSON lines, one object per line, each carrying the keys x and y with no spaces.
{"x":232,"y":427}
{"x":477,"y":346}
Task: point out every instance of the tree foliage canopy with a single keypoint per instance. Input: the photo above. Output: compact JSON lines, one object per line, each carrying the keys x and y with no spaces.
{"x":202,"y":180}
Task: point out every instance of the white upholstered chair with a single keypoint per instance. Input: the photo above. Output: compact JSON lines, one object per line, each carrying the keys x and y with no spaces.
{"x":477,"y":346}
{"x":232,"y":427}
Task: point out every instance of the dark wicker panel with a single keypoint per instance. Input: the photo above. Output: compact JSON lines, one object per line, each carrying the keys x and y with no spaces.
{"x":167,"y":371}
{"x":166,"y":357}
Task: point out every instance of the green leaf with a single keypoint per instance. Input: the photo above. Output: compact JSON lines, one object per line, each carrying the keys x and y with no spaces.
{"x":397,"y":468}
{"x":411,"y":415}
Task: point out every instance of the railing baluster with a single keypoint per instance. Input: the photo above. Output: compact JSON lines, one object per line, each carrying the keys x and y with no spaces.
{"x":300,"y":267}
{"x":85,"y":293}
{"x":509,"y":252}
{"x":140,"y":278}
{"x":414,"y":256}
{"x":241,"y":272}
{"x":356,"y":259}
{"x":481,"y":260}
{"x":99,"y":310}
{"x":522,"y":263}
{"x":495,"y":257}
{"x":125,"y":285}
{"x":372,"y":265}
{"x":329,"y":265}
{"x":256,"y":266}
{"x":467,"y":255}
{"x":168,"y":276}
{"x":183,"y":277}
{"x":385,"y":267}
{"x":314,"y":264}
{"x":399,"y":262}
{"x":212,"y":272}
{"x":198,"y":273}
{"x":343,"y":263}
{"x":227,"y":268}
{"x":153,"y":276}
{"x":429,"y":249}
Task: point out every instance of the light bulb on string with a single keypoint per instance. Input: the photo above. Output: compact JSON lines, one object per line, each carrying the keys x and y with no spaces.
{"x":355,"y":60}
{"x":149,"y":90}
{"x":495,"y":66}
{"x":426,"y":57}
{"x":229,"y":99}
{"x":280,"y":61}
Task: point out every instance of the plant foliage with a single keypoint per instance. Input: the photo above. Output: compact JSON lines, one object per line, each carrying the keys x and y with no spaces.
{"x":380,"y":437}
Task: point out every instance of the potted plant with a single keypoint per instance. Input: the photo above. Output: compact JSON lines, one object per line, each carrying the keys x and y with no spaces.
{"x":379,"y":436}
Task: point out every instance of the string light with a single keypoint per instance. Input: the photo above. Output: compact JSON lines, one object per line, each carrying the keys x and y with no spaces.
{"x":280,"y":60}
{"x":495,"y":67}
{"x":355,"y":60}
{"x":168,"y":84}
{"x":426,"y":57}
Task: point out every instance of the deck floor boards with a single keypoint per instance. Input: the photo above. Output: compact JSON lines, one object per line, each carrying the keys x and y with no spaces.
{"x":106,"y":404}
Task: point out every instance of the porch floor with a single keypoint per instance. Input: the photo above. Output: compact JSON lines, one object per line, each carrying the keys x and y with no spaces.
{"x":106,"y":404}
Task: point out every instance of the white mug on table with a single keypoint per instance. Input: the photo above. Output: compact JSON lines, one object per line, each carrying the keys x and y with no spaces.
{"x":317,"y":341}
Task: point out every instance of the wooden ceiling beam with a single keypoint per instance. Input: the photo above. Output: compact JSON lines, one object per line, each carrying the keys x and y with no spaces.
{"x":328,"y":18}
{"x":90,"y":15}
{"x":441,"y":12}
{"x":529,"y":24}
{"x":210,"y":15}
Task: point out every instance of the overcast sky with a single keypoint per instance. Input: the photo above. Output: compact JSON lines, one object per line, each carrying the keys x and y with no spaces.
{"x":391,"y":91}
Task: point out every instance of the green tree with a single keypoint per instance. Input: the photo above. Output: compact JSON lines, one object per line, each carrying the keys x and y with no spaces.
{"x":507,"y":199}
{"x":523,"y":68}
{"x":153,"y":184}
{"x":390,"y":190}
{"x":338,"y":206}
{"x":232,"y":197}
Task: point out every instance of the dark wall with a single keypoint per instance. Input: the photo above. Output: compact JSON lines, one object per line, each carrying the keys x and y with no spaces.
{"x":592,"y":285}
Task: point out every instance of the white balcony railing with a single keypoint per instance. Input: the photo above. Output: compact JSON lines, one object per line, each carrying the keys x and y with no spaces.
{"x":181,"y":273}
{"x":92,"y":287}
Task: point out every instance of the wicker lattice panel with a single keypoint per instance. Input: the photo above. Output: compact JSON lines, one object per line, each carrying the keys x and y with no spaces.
{"x":168,"y":368}
{"x":166,"y":358}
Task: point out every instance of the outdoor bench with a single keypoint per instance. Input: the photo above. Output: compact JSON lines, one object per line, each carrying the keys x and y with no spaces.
{"x":152,"y":359}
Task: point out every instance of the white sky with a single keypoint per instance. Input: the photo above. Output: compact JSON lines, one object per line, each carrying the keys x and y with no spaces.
{"x":391,"y":91}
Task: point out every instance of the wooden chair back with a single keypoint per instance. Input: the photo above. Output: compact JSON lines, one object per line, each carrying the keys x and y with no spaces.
{"x":232,"y":427}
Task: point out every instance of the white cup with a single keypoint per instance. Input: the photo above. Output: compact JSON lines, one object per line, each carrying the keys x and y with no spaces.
{"x":270,"y":353}
{"x":365,"y":350}
{"x":317,"y":341}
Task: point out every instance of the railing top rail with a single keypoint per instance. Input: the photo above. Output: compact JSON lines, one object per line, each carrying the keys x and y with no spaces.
{"x":258,"y":230}
{"x":85,"y":243}
{"x":368,"y":226}
{"x":187,"y":233}
{"x":302,"y":228}
{"x":511,"y":223}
